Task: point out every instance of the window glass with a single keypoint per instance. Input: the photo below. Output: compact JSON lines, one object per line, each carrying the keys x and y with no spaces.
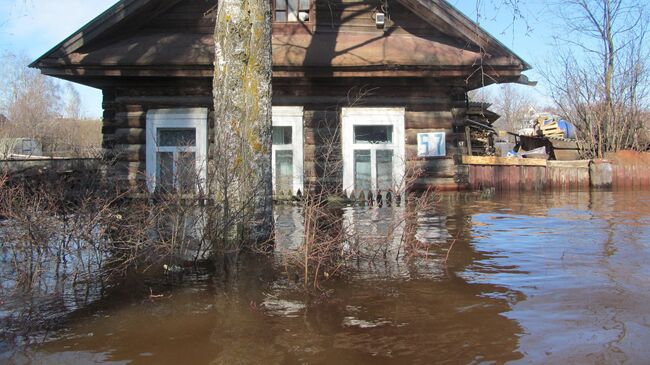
{"x":304,"y":5}
{"x":187,"y":174}
{"x":176,"y":137}
{"x":384,"y":169}
{"x":282,"y":135}
{"x":284,"y":171}
{"x":293,"y":6}
{"x":27,"y":147}
{"x":373,"y":134}
{"x":166,"y":170}
{"x":281,"y":16}
{"x":292,"y":13}
{"x":362,"y":171}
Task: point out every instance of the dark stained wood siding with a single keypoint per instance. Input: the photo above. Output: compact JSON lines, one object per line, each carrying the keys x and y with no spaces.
{"x":190,"y":16}
{"x":197,"y":16}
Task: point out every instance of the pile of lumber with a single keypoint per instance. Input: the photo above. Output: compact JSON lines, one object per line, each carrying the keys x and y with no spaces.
{"x":551,"y":129}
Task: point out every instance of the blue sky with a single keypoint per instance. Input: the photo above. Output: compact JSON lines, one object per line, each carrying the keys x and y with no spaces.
{"x":32,"y":27}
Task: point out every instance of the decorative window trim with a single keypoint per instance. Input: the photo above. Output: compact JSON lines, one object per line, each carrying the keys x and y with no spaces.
{"x":351,"y":117}
{"x":291,"y":116}
{"x":196,"y":118}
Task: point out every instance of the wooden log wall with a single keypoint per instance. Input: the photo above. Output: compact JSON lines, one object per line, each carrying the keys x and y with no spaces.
{"x":433,"y":172}
{"x":428,"y":108}
{"x":125,"y":120}
{"x":323,"y":160}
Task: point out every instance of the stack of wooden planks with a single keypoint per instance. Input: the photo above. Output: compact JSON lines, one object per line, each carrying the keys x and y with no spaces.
{"x":551,"y":129}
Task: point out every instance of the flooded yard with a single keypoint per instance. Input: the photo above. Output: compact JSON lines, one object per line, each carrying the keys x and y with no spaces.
{"x":551,"y":278}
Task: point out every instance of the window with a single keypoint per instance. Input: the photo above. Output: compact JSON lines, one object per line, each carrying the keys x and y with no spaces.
{"x":287,"y":150}
{"x":177,"y":150}
{"x":291,"y":10}
{"x":373,"y":149}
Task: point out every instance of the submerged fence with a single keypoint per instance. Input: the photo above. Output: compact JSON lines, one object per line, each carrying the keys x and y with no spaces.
{"x":29,"y":167}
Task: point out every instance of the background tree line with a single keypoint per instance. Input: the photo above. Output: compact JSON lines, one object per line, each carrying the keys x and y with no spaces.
{"x":597,"y":76}
{"x":42,"y":108}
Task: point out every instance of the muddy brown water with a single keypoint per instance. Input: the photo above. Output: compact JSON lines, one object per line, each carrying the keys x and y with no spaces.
{"x":532,"y":279}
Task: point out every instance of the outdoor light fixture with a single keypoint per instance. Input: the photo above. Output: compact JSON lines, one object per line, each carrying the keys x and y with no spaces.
{"x":380,"y":20}
{"x":303,"y":16}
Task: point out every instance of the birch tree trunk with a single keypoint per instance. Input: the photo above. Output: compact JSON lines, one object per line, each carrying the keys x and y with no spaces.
{"x":243,"y":132}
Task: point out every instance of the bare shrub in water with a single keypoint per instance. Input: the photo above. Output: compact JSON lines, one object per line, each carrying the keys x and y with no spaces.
{"x":91,"y":229}
{"x":335,"y":241}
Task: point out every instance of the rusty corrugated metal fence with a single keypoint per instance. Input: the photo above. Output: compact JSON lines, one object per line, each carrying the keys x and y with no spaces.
{"x":626,"y":170}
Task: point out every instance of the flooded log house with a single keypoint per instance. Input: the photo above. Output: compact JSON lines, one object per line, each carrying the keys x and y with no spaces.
{"x":380,"y":85}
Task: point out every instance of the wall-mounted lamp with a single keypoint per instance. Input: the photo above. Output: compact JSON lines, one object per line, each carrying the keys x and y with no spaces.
{"x":380,"y":20}
{"x":303,"y":16}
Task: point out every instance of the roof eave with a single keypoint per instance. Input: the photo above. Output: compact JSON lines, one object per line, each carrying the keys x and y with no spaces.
{"x":473,"y":31}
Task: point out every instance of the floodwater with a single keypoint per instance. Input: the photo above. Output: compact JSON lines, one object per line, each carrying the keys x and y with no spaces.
{"x":531,"y":279}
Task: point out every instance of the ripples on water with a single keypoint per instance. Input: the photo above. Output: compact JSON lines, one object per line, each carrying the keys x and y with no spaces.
{"x":561,"y":278}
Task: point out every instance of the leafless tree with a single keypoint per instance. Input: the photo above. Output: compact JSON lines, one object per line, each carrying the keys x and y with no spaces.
{"x":33,"y":106}
{"x":599,"y":78}
{"x":72,"y":107}
{"x":27,"y":97}
{"x":514,"y":105}
{"x":512,"y":102}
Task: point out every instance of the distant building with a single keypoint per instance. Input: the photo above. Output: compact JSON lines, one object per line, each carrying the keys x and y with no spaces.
{"x":19,"y":148}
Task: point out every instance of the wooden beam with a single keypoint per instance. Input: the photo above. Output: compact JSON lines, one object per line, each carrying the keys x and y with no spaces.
{"x":503,"y":161}
{"x":577,"y":164}
{"x":468,"y":136}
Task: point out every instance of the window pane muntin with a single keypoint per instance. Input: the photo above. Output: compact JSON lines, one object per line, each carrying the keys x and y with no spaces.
{"x":373,"y":134}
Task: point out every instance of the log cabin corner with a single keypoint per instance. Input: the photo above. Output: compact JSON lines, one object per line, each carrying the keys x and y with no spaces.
{"x":363,"y":91}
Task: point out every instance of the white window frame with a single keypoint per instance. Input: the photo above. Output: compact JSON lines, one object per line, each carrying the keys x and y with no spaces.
{"x":291,"y":116}
{"x":351,"y":117}
{"x":181,"y":118}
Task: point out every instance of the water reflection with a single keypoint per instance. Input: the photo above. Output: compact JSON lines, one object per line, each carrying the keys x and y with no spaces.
{"x":415,"y":321}
{"x":558,"y":278}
